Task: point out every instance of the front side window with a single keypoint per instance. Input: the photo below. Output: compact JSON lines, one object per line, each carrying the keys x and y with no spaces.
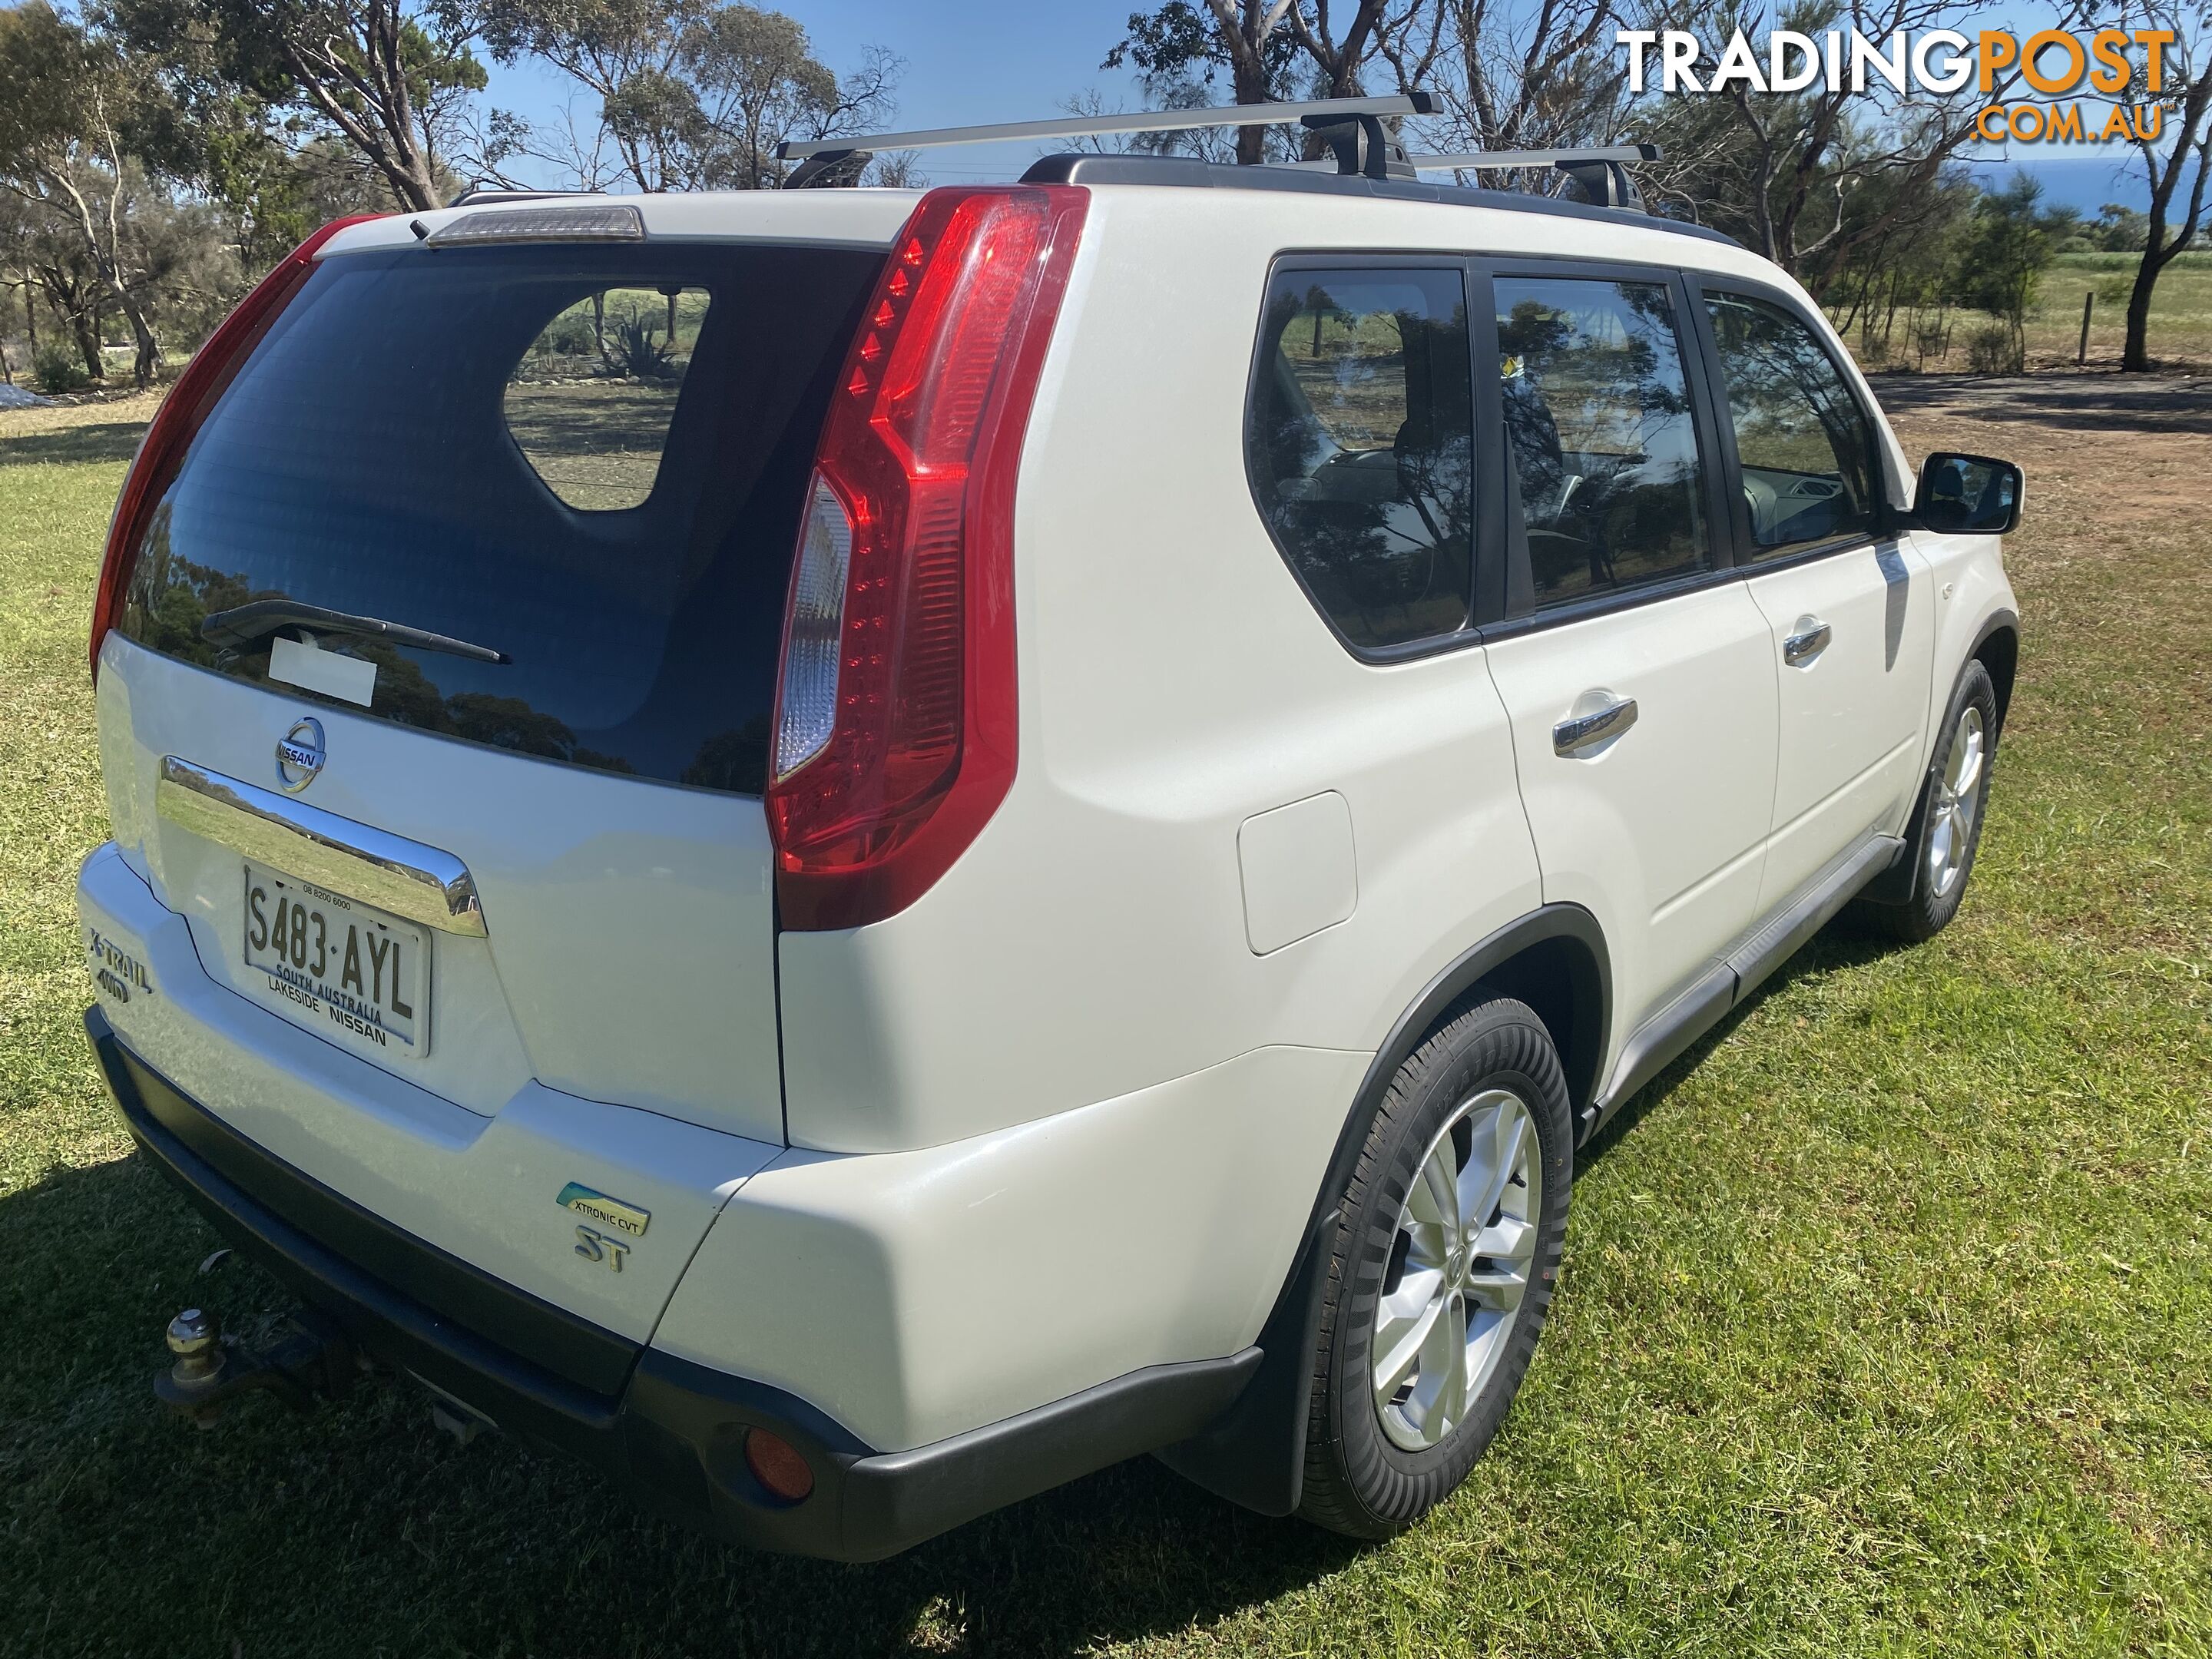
{"x":1360,"y":447}
{"x":1598,"y":428}
{"x":1802,"y":443}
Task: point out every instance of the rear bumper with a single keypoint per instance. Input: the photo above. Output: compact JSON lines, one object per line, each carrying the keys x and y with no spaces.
{"x":670,"y":1430}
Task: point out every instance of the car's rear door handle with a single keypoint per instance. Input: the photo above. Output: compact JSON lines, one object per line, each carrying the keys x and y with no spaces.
{"x":1583,"y":732}
{"x":1810,"y":639}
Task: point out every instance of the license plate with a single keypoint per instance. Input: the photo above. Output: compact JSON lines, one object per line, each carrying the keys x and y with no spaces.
{"x":347,"y":970}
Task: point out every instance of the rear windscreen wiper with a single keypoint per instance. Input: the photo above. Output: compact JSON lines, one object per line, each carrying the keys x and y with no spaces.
{"x":244,"y":623}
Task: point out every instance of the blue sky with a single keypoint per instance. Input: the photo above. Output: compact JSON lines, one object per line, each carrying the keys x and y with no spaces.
{"x":1010,"y":60}
{"x":983,"y":60}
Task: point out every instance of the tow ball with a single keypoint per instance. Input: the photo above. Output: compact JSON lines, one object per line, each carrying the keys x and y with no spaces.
{"x":303,"y":1358}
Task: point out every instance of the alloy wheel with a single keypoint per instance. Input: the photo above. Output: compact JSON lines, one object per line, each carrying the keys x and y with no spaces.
{"x":1956,"y":799}
{"x":1459,"y":1268}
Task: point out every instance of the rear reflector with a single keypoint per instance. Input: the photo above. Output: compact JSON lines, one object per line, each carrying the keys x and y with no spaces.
{"x":778,"y":1465}
{"x":895,"y":728}
{"x":203,"y":380}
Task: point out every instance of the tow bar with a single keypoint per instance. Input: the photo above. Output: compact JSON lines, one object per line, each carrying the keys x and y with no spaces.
{"x":306,"y":1357}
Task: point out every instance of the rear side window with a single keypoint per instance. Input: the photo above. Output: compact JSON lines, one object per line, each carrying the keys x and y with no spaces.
{"x":1599,"y":433}
{"x":591,"y":460}
{"x":1359,"y":447}
{"x":1802,"y":442}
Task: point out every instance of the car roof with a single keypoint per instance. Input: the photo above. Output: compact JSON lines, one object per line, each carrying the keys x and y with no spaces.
{"x":1189,"y":173}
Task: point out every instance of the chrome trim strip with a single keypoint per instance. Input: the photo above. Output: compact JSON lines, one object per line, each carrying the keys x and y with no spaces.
{"x":357,"y":860}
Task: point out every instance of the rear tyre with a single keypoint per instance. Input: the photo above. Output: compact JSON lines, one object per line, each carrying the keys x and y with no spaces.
{"x":1445,"y":1254}
{"x":1947,"y":822}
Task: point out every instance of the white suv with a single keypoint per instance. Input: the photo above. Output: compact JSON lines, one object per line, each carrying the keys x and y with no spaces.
{"x":1294,"y":696}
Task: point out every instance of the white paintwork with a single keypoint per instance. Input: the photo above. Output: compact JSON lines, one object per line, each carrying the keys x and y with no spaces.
{"x":587,"y":879}
{"x":1300,"y":870}
{"x":482,"y":1189}
{"x":914,"y":1295}
{"x":1661,"y":832}
{"x":1064,"y":1117}
{"x":1851,"y":717}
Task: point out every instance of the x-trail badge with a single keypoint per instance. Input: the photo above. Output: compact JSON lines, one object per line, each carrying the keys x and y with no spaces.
{"x":300,"y":755}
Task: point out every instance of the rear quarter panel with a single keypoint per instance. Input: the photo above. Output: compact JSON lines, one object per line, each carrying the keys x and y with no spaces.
{"x":1174,"y":682}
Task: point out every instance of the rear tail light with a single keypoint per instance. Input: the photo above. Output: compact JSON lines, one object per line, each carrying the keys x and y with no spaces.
{"x":179,"y":416}
{"x":895,"y":727}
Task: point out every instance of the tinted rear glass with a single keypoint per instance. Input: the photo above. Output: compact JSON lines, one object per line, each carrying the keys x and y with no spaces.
{"x":590,"y":459}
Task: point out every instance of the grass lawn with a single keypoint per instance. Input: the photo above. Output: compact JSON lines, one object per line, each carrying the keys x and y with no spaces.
{"x":2180,"y":319}
{"x":1886,"y":1326}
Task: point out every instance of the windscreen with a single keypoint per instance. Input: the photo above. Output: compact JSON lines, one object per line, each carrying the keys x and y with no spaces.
{"x":589,"y":462}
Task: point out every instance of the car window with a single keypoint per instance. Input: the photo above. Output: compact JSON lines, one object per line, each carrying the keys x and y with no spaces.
{"x":1360,"y":447}
{"x":1598,"y":425}
{"x":590,"y":400}
{"x":1802,"y":442}
{"x":504,"y":445}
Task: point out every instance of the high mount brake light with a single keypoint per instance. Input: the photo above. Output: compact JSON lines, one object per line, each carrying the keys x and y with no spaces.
{"x":179,"y":418}
{"x":894,"y":737}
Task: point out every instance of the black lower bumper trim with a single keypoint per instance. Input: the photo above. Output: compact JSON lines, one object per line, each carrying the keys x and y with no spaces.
{"x":671,"y":1431}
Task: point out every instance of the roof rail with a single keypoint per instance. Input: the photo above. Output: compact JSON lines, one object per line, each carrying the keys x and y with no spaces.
{"x":1185,"y":172}
{"x":1601,"y":174}
{"x":1351,"y":125}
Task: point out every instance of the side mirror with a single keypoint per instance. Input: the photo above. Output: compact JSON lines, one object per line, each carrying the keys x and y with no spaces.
{"x":1968,"y":495}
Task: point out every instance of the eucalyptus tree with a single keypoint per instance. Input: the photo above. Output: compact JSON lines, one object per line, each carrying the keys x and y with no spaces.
{"x":389,"y":78}
{"x":70,"y":103}
{"x":2177,"y":161}
{"x":1271,"y":50}
{"x":694,"y":94}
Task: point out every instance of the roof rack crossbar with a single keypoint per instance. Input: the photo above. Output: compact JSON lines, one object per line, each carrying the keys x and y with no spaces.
{"x":1086,"y":126}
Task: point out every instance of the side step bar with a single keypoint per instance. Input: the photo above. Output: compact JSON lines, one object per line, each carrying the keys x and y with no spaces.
{"x":1664,"y":1038}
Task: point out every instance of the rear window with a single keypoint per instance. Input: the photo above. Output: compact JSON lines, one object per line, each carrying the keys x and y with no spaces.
{"x":588,"y":461}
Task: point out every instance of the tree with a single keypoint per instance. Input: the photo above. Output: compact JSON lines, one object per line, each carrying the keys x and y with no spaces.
{"x":2119,"y":228}
{"x":68,"y":99}
{"x":1512,"y":75}
{"x":1779,"y":169}
{"x":1267,"y":46}
{"x":387,"y":76}
{"x":696,"y":95}
{"x":2008,"y":246}
{"x":2184,"y":101}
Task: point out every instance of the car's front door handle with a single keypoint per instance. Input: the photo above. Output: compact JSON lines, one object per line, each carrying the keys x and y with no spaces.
{"x":1810,"y":639}
{"x":1581,"y":732}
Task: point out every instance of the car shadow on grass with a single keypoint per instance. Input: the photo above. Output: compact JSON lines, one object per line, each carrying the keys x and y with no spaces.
{"x":273,"y":1529}
{"x":111,"y":440}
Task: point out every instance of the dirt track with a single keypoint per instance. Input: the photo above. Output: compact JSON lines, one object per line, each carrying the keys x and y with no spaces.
{"x":2118,"y":449}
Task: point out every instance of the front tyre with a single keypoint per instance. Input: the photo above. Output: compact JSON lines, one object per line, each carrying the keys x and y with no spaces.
{"x":1446,"y":1252}
{"x":1948,"y":822}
